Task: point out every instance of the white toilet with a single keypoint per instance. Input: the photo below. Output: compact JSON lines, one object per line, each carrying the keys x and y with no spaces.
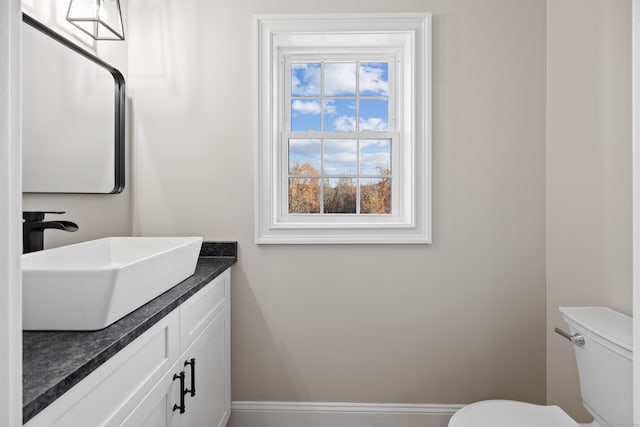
{"x":602,"y":339}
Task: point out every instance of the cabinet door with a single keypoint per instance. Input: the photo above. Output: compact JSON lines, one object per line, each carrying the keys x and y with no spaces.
{"x":197,"y":312}
{"x":211,"y":404}
{"x":156,"y":408}
{"x":111,"y":392}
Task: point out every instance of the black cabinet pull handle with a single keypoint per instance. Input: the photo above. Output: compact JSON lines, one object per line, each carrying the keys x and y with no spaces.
{"x":191,"y":363}
{"x":181,"y":406}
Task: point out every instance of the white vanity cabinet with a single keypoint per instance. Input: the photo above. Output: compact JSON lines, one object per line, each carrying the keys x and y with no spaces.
{"x":142,"y":386}
{"x":211,"y":404}
{"x":205,"y":334}
{"x":204,"y":364}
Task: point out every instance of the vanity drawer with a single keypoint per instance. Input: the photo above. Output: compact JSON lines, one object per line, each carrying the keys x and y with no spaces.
{"x":199,"y":310}
{"x":109,"y":393}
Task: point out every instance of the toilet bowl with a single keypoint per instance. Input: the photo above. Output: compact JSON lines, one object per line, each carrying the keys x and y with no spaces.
{"x":510,"y":413}
{"x":602,"y":340}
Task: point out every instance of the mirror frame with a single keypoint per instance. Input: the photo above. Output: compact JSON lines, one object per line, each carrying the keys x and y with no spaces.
{"x":120,"y":102}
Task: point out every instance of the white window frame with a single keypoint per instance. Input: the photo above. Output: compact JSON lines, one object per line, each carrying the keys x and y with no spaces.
{"x":404,"y":36}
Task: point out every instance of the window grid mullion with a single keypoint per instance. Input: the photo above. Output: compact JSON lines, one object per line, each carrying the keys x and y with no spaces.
{"x":357,"y":96}
{"x":358,"y":177}
{"x":323,"y":135}
{"x":322,"y":100}
{"x":358,"y":141}
{"x":321,"y":182}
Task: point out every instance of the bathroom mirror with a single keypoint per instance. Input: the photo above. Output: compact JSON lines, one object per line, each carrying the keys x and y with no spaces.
{"x":73,"y":110}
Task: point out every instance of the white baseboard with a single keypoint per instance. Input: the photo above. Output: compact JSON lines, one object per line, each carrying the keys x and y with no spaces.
{"x":304,"y":414}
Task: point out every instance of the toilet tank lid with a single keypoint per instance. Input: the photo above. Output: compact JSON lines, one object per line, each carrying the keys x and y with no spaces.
{"x":604,"y":322}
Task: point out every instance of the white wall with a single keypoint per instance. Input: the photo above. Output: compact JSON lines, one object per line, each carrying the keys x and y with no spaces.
{"x":97,"y":215}
{"x":588,"y":173}
{"x":457,"y":321}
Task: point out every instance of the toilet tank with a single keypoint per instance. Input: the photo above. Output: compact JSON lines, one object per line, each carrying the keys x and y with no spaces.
{"x":605,"y":362}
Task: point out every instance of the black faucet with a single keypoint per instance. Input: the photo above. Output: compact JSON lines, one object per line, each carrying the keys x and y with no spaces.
{"x":33,"y":226}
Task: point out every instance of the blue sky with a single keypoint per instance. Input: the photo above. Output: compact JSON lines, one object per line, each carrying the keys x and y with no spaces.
{"x":340,"y":83}
{"x":341,"y":155}
{"x":340,"y":79}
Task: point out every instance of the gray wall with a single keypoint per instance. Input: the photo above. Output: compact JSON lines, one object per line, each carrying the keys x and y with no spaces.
{"x":97,"y":215}
{"x":588,"y":172}
{"x":457,"y":321}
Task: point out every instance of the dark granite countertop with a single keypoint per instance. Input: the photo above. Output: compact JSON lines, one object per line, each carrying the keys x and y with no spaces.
{"x":53,"y":362}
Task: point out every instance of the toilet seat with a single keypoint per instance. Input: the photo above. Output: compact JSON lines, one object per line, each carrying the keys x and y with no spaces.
{"x":509,"y":413}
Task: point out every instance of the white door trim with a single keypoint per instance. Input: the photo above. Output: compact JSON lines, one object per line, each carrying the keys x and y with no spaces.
{"x":635,"y":43}
{"x":10,"y":216}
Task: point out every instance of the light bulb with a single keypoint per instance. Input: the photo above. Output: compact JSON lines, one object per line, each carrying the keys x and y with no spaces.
{"x":102,"y":12}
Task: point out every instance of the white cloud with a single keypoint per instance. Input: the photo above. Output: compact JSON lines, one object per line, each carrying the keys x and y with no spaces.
{"x":305,"y":147}
{"x":305,"y":151}
{"x":309,"y":85}
{"x":339,"y":79}
{"x":374,"y":123}
{"x":340,"y":163}
{"x":369,"y":163}
{"x":374,"y":154}
{"x":348,"y":158}
{"x":382,"y":143}
{"x":371,"y":80}
{"x":337,"y":146}
{"x":306,"y":107}
{"x":329,"y":107}
{"x":345,"y":124}
{"x":340,"y":156}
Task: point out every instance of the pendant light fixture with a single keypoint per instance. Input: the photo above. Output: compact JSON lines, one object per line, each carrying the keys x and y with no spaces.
{"x":101,"y":19}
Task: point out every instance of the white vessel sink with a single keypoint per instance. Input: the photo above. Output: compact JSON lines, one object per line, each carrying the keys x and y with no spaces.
{"x":88,"y":286}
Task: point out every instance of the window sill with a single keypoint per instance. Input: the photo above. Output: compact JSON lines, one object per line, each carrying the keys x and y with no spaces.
{"x":347,"y":235}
